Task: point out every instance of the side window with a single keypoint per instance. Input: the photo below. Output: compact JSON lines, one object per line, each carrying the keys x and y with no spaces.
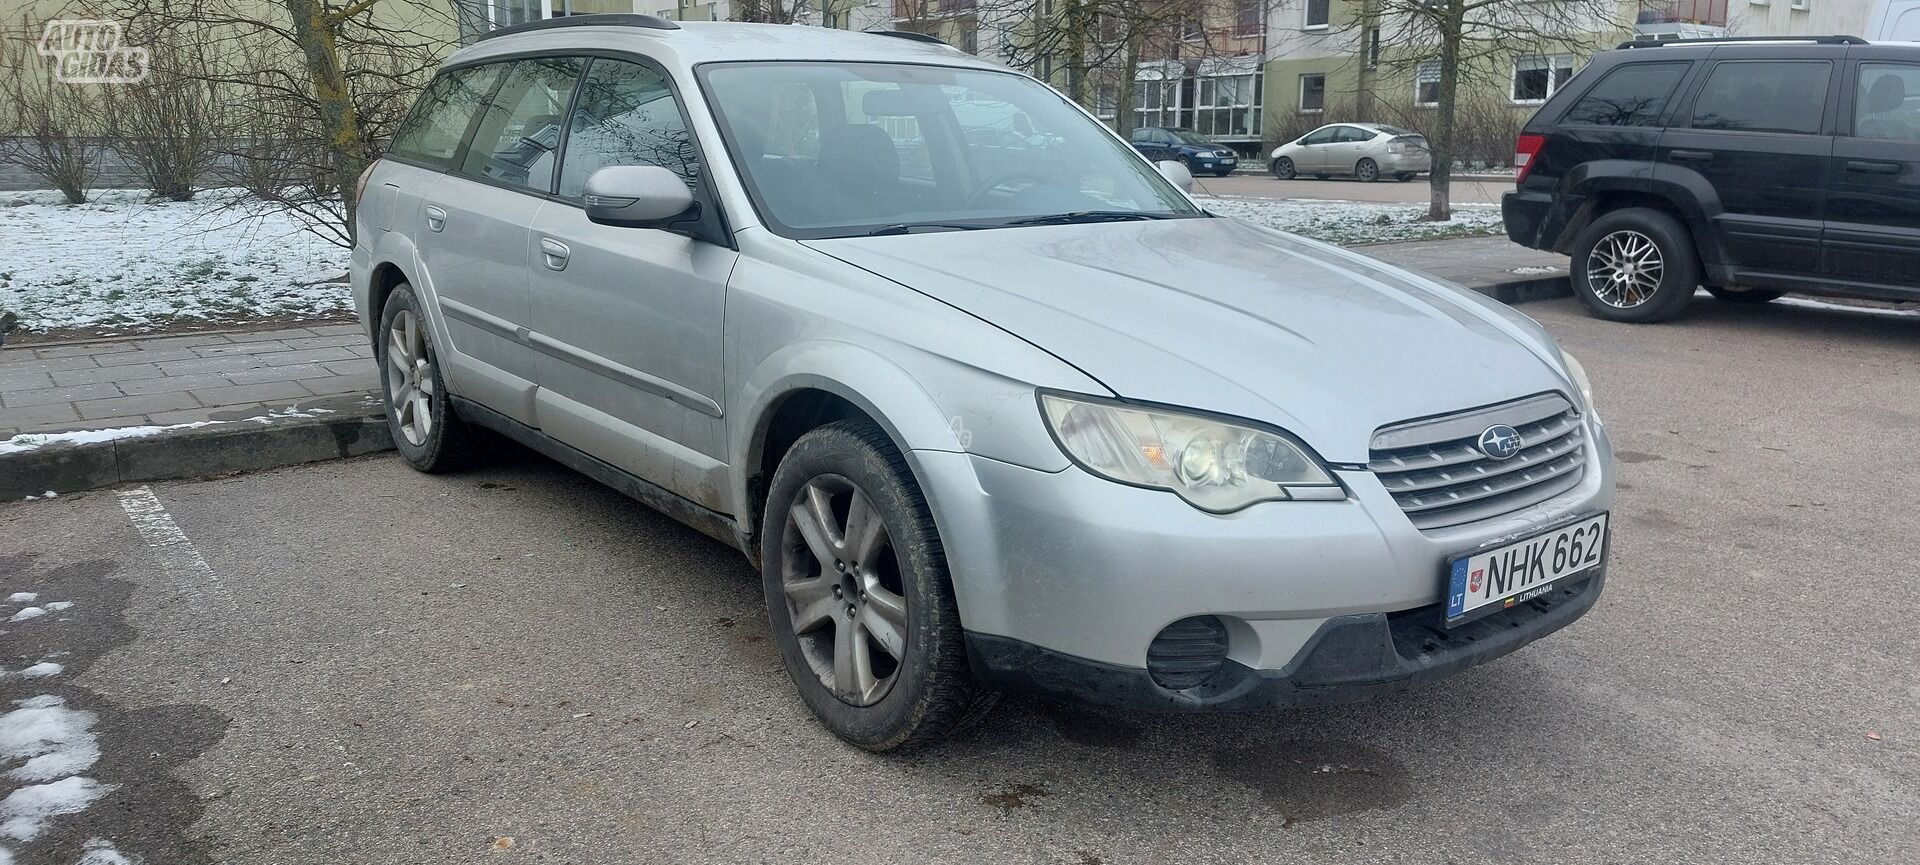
{"x":1764,"y":96}
{"x":626,"y":115}
{"x":1321,"y":136}
{"x":1886,"y":104}
{"x":1631,"y":95}
{"x":519,"y":134}
{"x":1139,"y":136}
{"x":433,"y":129}
{"x":1354,"y":135}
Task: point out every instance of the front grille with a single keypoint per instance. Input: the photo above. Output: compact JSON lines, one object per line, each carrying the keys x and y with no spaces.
{"x":1435,"y":470}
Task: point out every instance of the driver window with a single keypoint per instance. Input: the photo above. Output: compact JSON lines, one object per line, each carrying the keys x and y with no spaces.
{"x":1319,"y":136}
{"x":626,"y":115}
{"x":519,"y":133}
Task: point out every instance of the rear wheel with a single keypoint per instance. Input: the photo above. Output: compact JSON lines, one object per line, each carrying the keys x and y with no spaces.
{"x":1283,"y":169}
{"x":858,"y":592}
{"x":1366,"y":171}
{"x":1744,"y":295}
{"x":1635,"y":265}
{"x":419,"y":413}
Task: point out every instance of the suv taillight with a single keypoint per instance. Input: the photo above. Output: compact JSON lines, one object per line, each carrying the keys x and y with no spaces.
{"x":360,"y":186}
{"x":1525,"y":148}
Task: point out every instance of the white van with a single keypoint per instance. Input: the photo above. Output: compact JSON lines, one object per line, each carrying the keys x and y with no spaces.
{"x":1895,"y":21}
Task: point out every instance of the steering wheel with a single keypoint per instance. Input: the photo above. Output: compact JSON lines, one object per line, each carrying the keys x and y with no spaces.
{"x":1001,"y":180}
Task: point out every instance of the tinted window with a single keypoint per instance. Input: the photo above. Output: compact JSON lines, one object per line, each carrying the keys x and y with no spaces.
{"x":519,"y":133}
{"x":433,"y":130}
{"x":1632,"y":95}
{"x":1764,"y":96}
{"x":625,"y":115}
{"x":1887,"y":102}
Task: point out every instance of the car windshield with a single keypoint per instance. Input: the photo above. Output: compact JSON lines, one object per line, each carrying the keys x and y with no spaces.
{"x":1191,"y":137}
{"x":845,"y":149}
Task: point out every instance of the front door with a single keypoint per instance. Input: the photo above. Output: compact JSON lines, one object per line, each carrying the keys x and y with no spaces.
{"x":1312,"y":156}
{"x":1756,"y":141}
{"x":627,"y":321}
{"x":1873,"y":191}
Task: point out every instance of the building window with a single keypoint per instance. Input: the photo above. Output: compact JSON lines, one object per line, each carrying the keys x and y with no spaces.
{"x":1247,"y":15}
{"x":1313,"y":93}
{"x":970,"y":40}
{"x":1537,"y":77}
{"x":1426,"y":84}
{"x":1800,"y":5}
{"x":1229,"y":106}
{"x":1373,"y":47}
{"x":1317,"y":14}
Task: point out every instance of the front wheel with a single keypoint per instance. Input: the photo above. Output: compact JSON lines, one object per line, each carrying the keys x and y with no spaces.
{"x":1635,"y":265}
{"x":1744,"y":295}
{"x":1366,"y":171}
{"x":858,"y":593}
{"x":1283,"y":169}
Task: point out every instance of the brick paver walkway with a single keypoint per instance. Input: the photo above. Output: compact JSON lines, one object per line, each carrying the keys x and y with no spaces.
{"x":178,"y":379}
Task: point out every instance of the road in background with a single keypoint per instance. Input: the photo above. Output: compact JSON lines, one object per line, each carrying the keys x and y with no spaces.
{"x":1414,"y":191}
{"x":513,"y":663}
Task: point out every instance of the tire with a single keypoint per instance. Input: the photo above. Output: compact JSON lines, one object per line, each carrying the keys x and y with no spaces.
{"x":1646,"y":262}
{"x":426,"y":432}
{"x":1282,"y":169}
{"x":1405,"y":176}
{"x":1223,"y":172}
{"x":1366,"y":171}
{"x":918,"y":692}
{"x":1747,"y":296}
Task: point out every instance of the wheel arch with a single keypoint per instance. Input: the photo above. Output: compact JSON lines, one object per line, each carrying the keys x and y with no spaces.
{"x":1604,"y":193}
{"x":385,"y":277}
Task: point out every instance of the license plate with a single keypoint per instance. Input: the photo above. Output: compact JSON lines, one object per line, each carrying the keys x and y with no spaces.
{"x":1499,"y":578}
{"x":1228,"y":161}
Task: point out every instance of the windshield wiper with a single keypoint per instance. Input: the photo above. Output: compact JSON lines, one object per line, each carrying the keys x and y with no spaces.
{"x":1084,"y":216}
{"x":908,"y":227}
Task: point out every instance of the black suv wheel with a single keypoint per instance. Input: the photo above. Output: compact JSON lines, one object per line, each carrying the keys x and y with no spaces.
{"x":1635,"y":265}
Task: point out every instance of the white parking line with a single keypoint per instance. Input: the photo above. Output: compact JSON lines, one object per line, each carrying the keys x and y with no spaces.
{"x":178,"y":557}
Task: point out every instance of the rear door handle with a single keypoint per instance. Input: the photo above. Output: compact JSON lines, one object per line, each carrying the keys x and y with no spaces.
{"x":555,"y":253}
{"x":436,"y":218}
{"x":1690,"y":155}
{"x":1862,"y":166}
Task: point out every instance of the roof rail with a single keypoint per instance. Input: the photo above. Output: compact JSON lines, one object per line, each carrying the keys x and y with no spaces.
{"x":910,"y":36}
{"x":1712,"y":40}
{"x":600,"y":19}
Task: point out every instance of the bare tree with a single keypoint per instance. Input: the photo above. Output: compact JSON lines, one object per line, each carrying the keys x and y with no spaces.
{"x":1472,"y":42}
{"x":170,"y":124}
{"x":56,"y":124}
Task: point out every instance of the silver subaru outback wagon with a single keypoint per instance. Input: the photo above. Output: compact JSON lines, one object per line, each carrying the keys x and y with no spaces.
{"x":988,"y":399}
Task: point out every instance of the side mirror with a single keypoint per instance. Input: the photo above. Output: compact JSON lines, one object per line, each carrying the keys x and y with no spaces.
{"x":638,"y":196}
{"x":1176,"y":173}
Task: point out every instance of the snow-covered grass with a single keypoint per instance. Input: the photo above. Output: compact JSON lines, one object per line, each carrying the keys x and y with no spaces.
{"x":1354,"y":222}
{"x":123,"y":262}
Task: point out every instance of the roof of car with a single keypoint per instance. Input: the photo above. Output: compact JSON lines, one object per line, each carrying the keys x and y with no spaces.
{"x":707,"y":41}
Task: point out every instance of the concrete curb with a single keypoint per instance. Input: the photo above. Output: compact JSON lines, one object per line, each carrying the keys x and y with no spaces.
{"x":1527,"y":290}
{"x":240,"y":445}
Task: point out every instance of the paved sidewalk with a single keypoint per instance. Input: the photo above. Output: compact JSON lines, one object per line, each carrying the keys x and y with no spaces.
{"x":99,"y":384}
{"x":1485,"y":264}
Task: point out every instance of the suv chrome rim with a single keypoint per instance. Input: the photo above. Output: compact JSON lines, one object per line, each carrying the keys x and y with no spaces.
{"x":1624,"y":269}
{"x":844,"y":594}
{"x":410,"y":378}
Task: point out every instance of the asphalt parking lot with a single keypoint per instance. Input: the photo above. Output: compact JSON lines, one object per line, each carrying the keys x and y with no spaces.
{"x":351,"y":662}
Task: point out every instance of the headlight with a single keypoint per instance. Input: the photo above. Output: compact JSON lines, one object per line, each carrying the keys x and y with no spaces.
{"x":1214,"y":465}
{"x":1579,"y":378}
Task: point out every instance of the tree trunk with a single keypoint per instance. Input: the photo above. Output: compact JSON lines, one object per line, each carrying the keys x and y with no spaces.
{"x":1076,"y":21}
{"x":1123,"y":100}
{"x":1440,"y":179}
{"x":315,"y":29}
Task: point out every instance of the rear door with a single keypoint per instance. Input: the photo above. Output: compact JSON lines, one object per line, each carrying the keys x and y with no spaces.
{"x":1873,"y":192}
{"x":1752,"y":145}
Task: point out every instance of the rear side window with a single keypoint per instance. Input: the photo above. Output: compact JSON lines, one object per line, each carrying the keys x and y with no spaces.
{"x":626,"y":115}
{"x":1886,"y":104}
{"x":1632,"y":95}
{"x":1764,"y":96}
{"x":433,"y":130}
{"x":518,"y":137}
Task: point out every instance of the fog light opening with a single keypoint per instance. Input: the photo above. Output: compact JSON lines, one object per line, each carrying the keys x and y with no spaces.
{"x":1187,"y":653}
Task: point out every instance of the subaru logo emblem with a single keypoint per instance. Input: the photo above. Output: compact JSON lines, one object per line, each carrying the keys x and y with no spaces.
{"x":1501,"y":442}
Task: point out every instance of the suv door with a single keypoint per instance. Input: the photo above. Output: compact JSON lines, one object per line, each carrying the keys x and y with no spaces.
{"x":477,"y":220}
{"x":627,"y":321}
{"x":1873,"y":191}
{"x":1752,"y":147}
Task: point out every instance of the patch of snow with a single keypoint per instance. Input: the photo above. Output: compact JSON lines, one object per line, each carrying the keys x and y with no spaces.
{"x":28,"y":613}
{"x":54,"y":740}
{"x":1868,"y":310}
{"x":1534,"y":270}
{"x":25,"y":812}
{"x":1351,"y":223}
{"x":124,"y":261}
{"x":59,"y":606}
{"x":100,"y":851}
{"x":49,"y":494}
{"x":22,"y":597}
{"x":42,"y":670}
{"x":35,"y":441}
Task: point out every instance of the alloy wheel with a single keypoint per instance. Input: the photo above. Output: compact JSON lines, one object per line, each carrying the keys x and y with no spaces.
{"x":1367,"y":171}
{"x":1625,"y":269}
{"x":845,"y":598}
{"x":410,"y":377}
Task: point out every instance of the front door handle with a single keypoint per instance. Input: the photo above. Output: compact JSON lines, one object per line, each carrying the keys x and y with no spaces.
{"x":555,"y":253}
{"x":436,"y":218}
{"x":1690,"y":155}
{"x":1863,"y":166}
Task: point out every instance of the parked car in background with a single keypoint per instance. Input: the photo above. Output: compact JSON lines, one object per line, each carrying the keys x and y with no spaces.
{"x":978,"y":423}
{"x":1367,"y":151}
{"x":1186,"y":147}
{"x":1753,"y":168}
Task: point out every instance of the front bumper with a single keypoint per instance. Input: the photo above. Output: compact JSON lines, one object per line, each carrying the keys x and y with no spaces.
{"x":1215,"y":163}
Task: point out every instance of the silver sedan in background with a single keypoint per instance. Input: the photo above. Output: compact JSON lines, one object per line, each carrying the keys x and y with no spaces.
{"x":1368,"y":151}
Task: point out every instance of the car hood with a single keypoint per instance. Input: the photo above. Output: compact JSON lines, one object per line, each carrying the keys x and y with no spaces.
{"x":1227,"y":317}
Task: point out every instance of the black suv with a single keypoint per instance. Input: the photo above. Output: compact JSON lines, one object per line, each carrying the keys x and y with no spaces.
{"x":1752,"y":167}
